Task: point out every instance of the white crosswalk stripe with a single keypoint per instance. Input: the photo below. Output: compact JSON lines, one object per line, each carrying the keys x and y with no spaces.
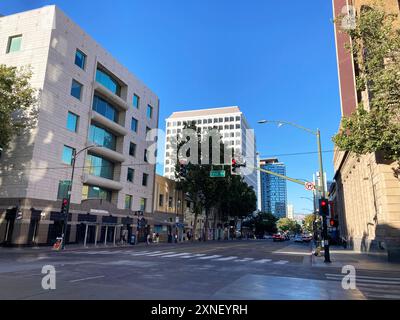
{"x":244,"y":260}
{"x":209,"y":257}
{"x":190,"y":255}
{"x":373,"y":287}
{"x":175,"y":255}
{"x":160,"y":254}
{"x":262,"y":261}
{"x":225,"y":259}
{"x":281,"y":262}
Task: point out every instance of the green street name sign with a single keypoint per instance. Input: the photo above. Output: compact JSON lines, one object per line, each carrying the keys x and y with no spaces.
{"x":217,"y":173}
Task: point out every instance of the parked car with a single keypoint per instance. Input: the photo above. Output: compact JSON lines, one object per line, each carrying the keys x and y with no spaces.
{"x":267,"y":236}
{"x":306,"y":238}
{"x":278,"y":237}
{"x":298,"y":238}
{"x":287,"y":236}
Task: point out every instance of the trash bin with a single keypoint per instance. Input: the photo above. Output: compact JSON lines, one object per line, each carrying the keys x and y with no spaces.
{"x":133,"y":239}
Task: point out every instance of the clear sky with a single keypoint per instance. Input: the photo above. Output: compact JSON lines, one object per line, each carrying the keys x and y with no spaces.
{"x":274,"y":59}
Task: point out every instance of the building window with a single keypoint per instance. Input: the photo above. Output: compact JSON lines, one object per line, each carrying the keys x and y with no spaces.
{"x":108,"y":81}
{"x":132,"y":149}
{"x":147,"y":130}
{"x":131,"y":175}
{"x":128,"y":201}
{"x":149,"y":111}
{"x":102,"y":137}
{"x":170,"y":201}
{"x":76,"y":89}
{"x":94,"y":192}
{"x":146,"y":155}
{"x":80,"y":59}
{"x":105,"y":108}
{"x":134,"y":125}
{"x":63,"y":187}
{"x":99,"y":167}
{"x":143,"y":202}
{"x":67,"y":155}
{"x":144,"y":179}
{"x":161,"y":200}
{"x":72,"y":122}
{"x":14,"y":44}
{"x":136,"y":101}
{"x":238,"y":126}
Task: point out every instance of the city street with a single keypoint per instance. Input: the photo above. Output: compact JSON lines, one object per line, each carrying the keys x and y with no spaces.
{"x":243,"y":269}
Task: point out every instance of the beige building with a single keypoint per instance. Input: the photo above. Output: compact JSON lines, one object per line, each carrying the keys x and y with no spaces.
{"x":87,"y":99}
{"x":366,"y":196}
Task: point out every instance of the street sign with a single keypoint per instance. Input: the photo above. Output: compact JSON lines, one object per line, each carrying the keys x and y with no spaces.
{"x":309,"y":186}
{"x":217,"y":173}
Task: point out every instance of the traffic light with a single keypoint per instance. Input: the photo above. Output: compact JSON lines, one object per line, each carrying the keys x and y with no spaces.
{"x":182,"y":170}
{"x":324,"y":207}
{"x":64,"y":206}
{"x":333,"y":222}
{"x":234,"y":167}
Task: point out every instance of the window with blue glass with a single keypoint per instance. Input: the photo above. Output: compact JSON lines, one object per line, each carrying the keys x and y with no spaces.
{"x":108,"y":81}
{"x":136,"y":101}
{"x":105,"y":108}
{"x":94,"y":192}
{"x":76,"y":89}
{"x":102,"y":137}
{"x":14,"y":44}
{"x":99,"y":167}
{"x":72,"y":122}
{"x":80,"y":59}
{"x":67,"y":155}
{"x":131,"y":175}
{"x":63,"y":187}
{"x":134,"y":125}
{"x":149,"y":111}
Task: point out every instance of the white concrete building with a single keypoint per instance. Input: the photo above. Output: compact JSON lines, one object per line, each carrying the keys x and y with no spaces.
{"x":233,"y":127}
{"x":290,"y":211}
{"x":86,"y":98}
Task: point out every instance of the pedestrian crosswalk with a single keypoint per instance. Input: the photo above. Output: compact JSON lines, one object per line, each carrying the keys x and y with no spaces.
{"x":373,"y":287}
{"x":184,"y":255}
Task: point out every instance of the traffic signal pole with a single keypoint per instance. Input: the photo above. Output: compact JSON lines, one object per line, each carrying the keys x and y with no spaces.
{"x":324,"y":218}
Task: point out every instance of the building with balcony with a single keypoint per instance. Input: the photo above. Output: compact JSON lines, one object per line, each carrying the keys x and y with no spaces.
{"x":87,"y":100}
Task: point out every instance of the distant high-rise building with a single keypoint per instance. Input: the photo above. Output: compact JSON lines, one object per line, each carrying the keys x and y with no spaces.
{"x":232,"y":125}
{"x":273,"y":189}
{"x":290,"y":211}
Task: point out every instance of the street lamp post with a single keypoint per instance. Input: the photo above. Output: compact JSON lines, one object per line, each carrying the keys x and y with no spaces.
{"x":65,"y":226}
{"x":316,"y":133}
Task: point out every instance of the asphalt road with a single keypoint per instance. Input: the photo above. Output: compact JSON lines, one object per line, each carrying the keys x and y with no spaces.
{"x":247,"y":269}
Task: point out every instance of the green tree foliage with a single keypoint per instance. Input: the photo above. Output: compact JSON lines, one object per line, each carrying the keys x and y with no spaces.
{"x":262,"y":222}
{"x":17,"y":103}
{"x":288,"y":225}
{"x":308,"y":223}
{"x":229,"y":196}
{"x":376,"y":51}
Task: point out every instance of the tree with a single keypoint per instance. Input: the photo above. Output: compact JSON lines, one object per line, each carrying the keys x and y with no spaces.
{"x":375,"y":126}
{"x":262,"y":222}
{"x":17,"y":103}
{"x":288,"y":225}
{"x":308,"y":223}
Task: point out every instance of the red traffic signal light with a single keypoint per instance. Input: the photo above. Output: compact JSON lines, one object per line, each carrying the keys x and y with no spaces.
{"x":332,"y":222}
{"x":323,"y":207}
{"x":234,"y":167}
{"x":64,"y":206}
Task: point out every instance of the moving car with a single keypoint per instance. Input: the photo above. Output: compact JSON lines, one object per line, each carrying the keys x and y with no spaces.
{"x":278,"y":237}
{"x":306,"y":238}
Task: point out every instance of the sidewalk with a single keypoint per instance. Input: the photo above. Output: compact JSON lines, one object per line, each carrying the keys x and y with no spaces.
{"x":341,"y":257}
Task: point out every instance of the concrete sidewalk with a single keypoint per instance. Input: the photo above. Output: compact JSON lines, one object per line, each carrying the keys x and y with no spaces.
{"x":341,"y":257}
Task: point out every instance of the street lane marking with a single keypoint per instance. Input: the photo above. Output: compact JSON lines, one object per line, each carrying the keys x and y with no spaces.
{"x":175,"y":255}
{"x":159,"y":254}
{"x":244,"y":260}
{"x":385,"y":296}
{"x":366,"y":280}
{"x":366,"y":277}
{"x":190,"y":255}
{"x":281,"y":262}
{"x":262,"y":261}
{"x":143,"y":253}
{"x":209,"y":257}
{"x":226,"y":259}
{"x":84,"y":279}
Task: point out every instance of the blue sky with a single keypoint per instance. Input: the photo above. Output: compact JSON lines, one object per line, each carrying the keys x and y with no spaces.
{"x":274,"y":59}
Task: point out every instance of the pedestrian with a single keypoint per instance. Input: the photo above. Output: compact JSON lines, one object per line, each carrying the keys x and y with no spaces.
{"x":157,"y":237}
{"x":148,"y":238}
{"x":154,"y":237}
{"x":176,"y":238}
